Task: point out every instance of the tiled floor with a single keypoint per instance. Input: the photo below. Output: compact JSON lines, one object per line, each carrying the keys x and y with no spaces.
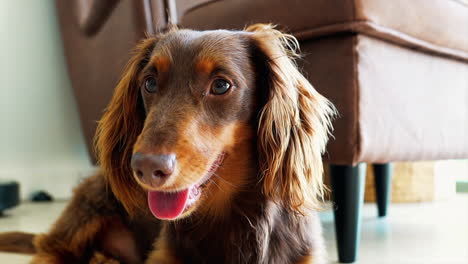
{"x":421,"y":233}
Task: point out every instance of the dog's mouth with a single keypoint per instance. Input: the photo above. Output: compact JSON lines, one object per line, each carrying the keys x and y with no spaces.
{"x":171,"y":205}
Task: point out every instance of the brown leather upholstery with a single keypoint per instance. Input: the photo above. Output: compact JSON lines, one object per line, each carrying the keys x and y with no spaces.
{"x":437,"y":26}
{"x":395,"y":103}
{"x":397,"y":70}
{"x":92,"y":14}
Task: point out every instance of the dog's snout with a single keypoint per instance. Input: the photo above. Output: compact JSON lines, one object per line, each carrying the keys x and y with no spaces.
{"x":153,"y":169}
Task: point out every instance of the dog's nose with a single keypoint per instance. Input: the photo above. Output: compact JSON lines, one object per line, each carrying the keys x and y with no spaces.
{"x":153,"y":169}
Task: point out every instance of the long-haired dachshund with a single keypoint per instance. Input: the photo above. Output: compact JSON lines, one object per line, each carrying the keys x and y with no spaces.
{"x":210,"y":152}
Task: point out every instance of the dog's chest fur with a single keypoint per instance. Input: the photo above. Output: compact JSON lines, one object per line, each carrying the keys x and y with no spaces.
{"x":263,"y":234}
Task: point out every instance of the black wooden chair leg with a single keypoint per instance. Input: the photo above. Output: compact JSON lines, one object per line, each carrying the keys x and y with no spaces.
{"x":347,"y":184}
{"x":383,"y":184}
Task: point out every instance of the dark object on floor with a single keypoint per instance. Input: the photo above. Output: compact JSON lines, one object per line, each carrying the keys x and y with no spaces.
{"x":9,"y":195}
{"x":41,"y":196}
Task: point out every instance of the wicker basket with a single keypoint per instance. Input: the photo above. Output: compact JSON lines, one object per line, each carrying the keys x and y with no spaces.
{"x":411,"y":182}
{"x":414,"y":181}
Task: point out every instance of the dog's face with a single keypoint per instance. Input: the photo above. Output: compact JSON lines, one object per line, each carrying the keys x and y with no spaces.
{"x":198,"y":114}
{"x":199,"y":95}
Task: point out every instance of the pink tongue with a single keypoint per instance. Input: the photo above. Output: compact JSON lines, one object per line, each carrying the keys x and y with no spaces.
{"x":165,"y":205}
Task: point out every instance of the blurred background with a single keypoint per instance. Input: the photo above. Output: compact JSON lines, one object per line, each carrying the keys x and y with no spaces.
{"x":406,"y":60}
{"x":41,"y":141}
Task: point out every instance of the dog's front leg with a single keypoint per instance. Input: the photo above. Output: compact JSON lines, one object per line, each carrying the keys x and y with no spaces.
{"x":75,"y":233}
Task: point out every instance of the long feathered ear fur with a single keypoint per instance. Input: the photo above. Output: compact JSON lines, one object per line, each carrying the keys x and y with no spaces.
{"x":294,"y":124}
{"x":119,"y":128}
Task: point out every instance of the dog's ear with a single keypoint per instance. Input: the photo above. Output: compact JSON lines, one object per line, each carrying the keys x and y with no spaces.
{"x":119,"y":128}
{"x":294,"y":122}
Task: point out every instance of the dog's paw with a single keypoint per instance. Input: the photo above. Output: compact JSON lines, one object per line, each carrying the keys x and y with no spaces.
{"x":99,"y":258}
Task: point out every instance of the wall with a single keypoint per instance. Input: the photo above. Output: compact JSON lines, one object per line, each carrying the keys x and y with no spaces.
{"x":41,"y":144}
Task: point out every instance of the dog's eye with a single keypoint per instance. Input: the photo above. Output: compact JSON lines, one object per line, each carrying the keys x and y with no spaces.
{"x":150,"y":85}
{"x":220,"y":86}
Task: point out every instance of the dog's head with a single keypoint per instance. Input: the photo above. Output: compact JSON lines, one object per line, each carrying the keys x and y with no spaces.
{"x":198,"y":114}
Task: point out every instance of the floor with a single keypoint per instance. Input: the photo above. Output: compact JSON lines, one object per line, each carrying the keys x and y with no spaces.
{"x":426,"y":233}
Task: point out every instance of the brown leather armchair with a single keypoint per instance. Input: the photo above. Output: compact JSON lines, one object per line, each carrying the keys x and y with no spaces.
{"x":396,"y":70}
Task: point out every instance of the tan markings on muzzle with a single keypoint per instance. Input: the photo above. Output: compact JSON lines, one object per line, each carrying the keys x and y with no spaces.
{"x":237,"y":140}
{"x":190,"y":149}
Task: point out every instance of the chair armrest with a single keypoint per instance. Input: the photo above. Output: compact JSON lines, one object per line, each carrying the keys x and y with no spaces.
{"x":92,"y":14}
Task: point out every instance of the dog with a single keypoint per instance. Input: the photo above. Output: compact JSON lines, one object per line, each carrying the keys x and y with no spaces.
{"x":211,"y":152}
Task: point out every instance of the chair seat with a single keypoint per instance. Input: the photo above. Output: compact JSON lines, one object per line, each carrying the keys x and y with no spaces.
{"x":438,"y":26}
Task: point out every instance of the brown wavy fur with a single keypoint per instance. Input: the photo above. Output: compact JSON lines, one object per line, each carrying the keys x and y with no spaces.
{"x":293,"y":128}
{"x":118,"y":130}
